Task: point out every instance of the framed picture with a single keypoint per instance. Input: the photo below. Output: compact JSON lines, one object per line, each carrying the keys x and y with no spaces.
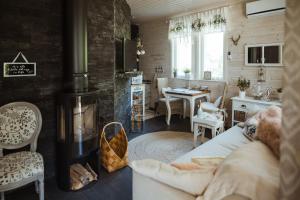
{"x":207,"y":75}
{"x":15,"y":69}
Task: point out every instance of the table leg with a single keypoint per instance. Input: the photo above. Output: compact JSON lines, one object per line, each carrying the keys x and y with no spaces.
{"x":168,"y":117}
{"x":213,"y":132}
{"x":192,"y":106}
{"x":208,"y":98}
{"x":202,"y":134}
{"x":196,"y":133}
{"x":184,"y":108}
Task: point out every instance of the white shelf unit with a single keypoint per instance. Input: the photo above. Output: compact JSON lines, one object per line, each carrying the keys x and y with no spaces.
{"x":249,"y":104}
{"x":138,"y":102}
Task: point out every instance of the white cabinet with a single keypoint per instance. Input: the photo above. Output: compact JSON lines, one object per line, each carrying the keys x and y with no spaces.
{"x":249,"y":104}
{"x":138,"y":102}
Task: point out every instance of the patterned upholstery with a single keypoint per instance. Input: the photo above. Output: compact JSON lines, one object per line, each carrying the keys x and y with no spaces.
{"x":20,"y":125}
{"x":19,"y":166}
{"x":17,"y":125}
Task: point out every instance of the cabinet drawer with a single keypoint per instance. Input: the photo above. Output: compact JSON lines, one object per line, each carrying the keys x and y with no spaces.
{"x":247,"y":106}
{"x":241,"y":106}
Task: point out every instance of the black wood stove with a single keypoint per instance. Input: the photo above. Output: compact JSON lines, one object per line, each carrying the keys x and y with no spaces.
{"x":78,"y":131}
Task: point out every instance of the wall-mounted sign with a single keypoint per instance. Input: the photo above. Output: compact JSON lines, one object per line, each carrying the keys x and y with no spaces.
{"x":15,"y":69}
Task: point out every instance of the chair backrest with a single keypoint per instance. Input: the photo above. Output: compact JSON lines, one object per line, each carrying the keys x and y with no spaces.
{"x":161,"y":83}
{"x":20,"y":125}
{"x":220,"y":101}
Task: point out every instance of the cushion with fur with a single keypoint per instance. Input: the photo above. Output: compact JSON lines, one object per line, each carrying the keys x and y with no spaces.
{"x":269,"y":128}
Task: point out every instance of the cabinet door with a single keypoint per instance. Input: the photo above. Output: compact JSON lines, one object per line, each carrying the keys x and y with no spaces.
{"x":254,"y":55}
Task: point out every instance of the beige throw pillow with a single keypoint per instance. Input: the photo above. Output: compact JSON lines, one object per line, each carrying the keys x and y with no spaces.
{"x":251,"y":171}
{"x":191,"y":181}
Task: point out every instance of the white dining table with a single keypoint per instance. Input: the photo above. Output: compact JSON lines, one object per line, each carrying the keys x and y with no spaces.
{"x":186,"y":95}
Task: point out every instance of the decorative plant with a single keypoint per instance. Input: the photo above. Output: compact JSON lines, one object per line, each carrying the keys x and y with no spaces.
{"x":243,"y":84}
{"x":198,"y":24}
{"x":187,"y":70}
{"x":218,"y":19}
{"x":178,"y":27}
{"x":175,"y":72}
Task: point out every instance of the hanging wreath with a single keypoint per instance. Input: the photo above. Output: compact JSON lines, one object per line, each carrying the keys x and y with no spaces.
{"x":178,"y":27}
{"x":198,"y":24}
{"x":218,"y":19}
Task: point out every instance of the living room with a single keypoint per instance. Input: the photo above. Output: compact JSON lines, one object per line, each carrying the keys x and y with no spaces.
{"x":147,"y":99}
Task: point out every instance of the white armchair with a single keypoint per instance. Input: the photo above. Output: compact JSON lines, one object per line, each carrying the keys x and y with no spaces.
{"x":20,"y":125}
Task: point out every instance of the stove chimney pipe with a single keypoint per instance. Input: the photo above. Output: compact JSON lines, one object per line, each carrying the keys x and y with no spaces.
{"x":76,"y":69}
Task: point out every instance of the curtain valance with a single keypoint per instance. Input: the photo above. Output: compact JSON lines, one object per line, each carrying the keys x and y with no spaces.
{"x":202,"y":22}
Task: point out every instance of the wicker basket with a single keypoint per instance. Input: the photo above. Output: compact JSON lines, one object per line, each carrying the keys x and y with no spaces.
{"x":114,"y":153}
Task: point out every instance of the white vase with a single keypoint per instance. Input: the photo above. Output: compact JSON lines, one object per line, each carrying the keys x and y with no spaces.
{"x":242,"y":94}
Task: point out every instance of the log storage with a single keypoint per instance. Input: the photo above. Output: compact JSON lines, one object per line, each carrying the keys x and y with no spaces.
{"x":81,"y":176}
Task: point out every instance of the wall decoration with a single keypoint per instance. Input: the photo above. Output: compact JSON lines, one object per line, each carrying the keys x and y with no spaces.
{"x":201,"y":22}
{"x":198,"y":25}
{"x":16,"y":69}
{"x":235,"y":41}
{"x":207,"y":75}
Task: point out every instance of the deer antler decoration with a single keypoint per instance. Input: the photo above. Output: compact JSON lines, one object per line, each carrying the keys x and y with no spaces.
{"x":235,"y":41}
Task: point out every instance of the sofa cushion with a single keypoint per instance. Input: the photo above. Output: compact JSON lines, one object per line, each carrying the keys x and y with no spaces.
{"x":191,"y":181}
{"x":220,"y":146}
{"x":269,"y":128}
{"x":251,"y":171}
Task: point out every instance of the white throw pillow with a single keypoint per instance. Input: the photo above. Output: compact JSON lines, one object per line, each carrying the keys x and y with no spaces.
{"x":190,"y":181}
{"x":251,"y":171}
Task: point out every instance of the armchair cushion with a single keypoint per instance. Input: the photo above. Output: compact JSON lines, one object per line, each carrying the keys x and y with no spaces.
{"x":18,"y":166}
{"x":18,"y":123}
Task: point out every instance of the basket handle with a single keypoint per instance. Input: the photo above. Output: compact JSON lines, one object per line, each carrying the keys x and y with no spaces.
{"x":111,"y":123}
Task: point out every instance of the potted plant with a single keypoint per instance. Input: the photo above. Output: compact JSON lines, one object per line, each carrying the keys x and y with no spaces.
{"x":175,"y":72}
{"x":243,"y":85}
{"x":187,"y":72}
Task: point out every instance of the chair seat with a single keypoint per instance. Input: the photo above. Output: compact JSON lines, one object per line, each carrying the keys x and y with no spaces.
{"x":171,"y":99}
{"x":18,"y":166}
{"x":209,"y":107}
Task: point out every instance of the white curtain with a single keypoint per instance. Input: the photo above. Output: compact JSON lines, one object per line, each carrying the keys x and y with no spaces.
{"x":202,"y":22}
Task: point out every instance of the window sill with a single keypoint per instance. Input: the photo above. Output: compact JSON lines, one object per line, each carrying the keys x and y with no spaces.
{"x":192,"y":79}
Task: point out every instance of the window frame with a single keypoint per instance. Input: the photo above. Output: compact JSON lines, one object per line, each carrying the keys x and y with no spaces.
{"x":197,"y":72}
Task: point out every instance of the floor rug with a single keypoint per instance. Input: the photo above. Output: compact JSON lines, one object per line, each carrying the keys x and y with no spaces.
{"x":165,"y":146}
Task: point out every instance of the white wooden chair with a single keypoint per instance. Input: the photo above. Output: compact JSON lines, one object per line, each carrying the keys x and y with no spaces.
{"x":162,"y":86}
{"x":218,"y":105}
{"x":20,"y":125}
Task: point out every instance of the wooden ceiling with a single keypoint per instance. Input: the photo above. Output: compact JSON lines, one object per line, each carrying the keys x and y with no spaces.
{"x":147,"y":10}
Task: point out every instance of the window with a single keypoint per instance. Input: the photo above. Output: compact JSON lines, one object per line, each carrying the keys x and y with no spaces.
{"x":182,"y":55}
{"x":199,"y":53}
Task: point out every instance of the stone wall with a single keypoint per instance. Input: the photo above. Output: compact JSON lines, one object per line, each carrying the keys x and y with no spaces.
{"x":101,"y":54}
{"x":36,"y":29}
{"x":122,"y":85}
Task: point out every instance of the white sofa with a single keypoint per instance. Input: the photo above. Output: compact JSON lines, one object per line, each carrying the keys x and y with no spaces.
{"x":145,"y":188}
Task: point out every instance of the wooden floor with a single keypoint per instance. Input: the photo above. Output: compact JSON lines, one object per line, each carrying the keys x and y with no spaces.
{"x":115,"y":186}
